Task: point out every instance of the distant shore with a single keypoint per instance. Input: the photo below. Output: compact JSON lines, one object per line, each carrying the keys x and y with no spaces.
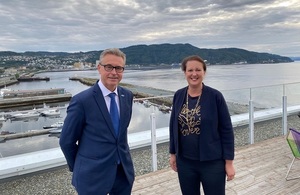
{"x":159,"y":96}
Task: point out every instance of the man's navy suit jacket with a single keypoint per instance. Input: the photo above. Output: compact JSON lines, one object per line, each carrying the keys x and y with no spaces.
{"x":89,"y":143}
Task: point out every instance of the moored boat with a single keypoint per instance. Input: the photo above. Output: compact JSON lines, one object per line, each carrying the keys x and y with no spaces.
{"x":55,"y":131}
{"x":22,"y":115}
{"x":6,"y":132}
{"x":165,"y":109}
{"x":50,"y":112}
{"x":4,"y":90}
{"x":2,"y":139}
{"x":58,"y":124}
{"x":2,"y":119}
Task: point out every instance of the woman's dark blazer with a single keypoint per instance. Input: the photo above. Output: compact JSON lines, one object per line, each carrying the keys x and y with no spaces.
{"x":216,"y":132}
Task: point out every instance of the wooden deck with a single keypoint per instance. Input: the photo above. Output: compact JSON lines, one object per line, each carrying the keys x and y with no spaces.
{"x":260,"y":169}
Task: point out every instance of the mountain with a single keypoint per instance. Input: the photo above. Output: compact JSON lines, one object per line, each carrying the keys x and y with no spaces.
{"x":174,"y":53}
{"x":295,"y":58}
{"x":145,"y":55}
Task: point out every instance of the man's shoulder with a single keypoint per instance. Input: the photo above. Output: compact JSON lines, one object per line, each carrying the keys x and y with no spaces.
{"x":124,"y":90}
{"x":87,"y":92}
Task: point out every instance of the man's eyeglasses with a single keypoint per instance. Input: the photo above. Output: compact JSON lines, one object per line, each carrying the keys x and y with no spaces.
{"x":109,"y":68}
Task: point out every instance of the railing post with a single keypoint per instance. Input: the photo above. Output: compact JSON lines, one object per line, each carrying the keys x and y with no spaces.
{"x":251,"y":120}
{"x":153,"y":142}
{"x":284,"y":112}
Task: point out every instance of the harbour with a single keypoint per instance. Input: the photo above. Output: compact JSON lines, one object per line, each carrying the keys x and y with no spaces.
{"x":264,"y":129}
{"x":156,"y":83}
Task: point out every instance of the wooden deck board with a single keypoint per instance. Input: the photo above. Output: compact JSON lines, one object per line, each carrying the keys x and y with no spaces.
{"x":260,"y":169}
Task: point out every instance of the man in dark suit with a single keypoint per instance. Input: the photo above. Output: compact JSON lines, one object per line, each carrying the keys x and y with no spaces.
{"x":95,"y":147}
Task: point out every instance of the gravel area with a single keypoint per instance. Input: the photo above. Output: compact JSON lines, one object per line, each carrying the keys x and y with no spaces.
{"x":58,"y":181}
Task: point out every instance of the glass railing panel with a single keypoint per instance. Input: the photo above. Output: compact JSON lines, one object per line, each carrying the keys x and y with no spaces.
{"x":237,"y":100}
{"x":267,"y":97}
{"x":268,"y":102}
{"x":292,"y":93}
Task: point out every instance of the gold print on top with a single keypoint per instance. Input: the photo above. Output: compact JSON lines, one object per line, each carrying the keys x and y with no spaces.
{"x":190,"y":120}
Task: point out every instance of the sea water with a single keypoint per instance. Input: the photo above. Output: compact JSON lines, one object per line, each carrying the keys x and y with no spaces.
{"x":264,"y":83}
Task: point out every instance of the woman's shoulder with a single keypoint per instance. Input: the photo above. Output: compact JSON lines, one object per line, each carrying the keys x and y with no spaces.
{"x":182,"y":90}
{"x":211,"y":90}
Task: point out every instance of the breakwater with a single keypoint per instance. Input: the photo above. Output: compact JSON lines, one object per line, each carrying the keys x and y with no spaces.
{"x":25,"y":134}
{"x":4,"y":83}
{"x":156,"y":96}
{"x":26,"y":79}
{"x":34,"y":100}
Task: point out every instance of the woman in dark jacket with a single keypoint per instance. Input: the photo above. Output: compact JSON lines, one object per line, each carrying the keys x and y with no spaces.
{"x":201,"y":134}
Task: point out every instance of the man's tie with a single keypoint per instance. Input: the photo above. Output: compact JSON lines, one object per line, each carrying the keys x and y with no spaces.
{"x":114,"y":114}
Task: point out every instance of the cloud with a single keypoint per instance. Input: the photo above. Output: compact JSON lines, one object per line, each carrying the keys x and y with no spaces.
{"x":85,"y":25}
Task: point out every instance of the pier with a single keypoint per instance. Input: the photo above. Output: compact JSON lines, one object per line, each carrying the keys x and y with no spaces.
{"x":33,"y":100}
{"x":27,"y":79}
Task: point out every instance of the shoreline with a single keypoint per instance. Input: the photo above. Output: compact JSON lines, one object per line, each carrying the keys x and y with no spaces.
{"x":153,"y":95}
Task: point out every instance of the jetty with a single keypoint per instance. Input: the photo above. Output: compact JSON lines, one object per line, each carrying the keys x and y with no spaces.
{"x":33,"y":97}
{"x":25,"y":134}
{"x":34,"y":100}
{"x":26,"y":79}
{"x":153,"y":95}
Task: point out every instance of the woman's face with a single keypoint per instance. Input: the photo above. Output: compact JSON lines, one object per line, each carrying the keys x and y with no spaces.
{"x":194,"y":73}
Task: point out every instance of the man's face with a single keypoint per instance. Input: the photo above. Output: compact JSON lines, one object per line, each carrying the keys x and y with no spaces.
{"x":111,"y":79}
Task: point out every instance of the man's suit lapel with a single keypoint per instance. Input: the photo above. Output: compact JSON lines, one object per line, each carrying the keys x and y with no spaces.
{"x":98,"y":96}
{"x":122,"y":101}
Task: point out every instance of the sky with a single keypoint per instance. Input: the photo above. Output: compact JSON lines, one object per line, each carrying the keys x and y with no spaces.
{"x":271,"y":26}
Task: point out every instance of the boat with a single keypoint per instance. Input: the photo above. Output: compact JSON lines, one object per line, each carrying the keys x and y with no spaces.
{"x":2,"y":119}
{"x":165,"y":109}
{"x":55,"y":131}
{"x":2,"y":139}
{"x":147,"y":103}
{"x":4,"y":90}
{"x":58,"y":124}
{"x":176,"y":65}
{"x":50,"y":112}
{"x":25,"y":115}
{"x":6,"y":132}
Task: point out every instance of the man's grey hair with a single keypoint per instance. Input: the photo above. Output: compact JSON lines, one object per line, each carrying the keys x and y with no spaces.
{"x":113,"y":51}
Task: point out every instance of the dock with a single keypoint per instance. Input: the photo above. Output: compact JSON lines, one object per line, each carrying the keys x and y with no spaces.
{"x":27,"y":79}
{"x":25,"y":134}
{"x":34,"y":100}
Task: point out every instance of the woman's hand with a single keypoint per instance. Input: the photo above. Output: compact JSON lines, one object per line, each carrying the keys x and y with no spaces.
{"x":230,"y":172}
{"x":173,"y":162}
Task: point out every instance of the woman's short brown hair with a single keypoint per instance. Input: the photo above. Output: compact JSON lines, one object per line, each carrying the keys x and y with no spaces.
{"x":192,"y":58}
